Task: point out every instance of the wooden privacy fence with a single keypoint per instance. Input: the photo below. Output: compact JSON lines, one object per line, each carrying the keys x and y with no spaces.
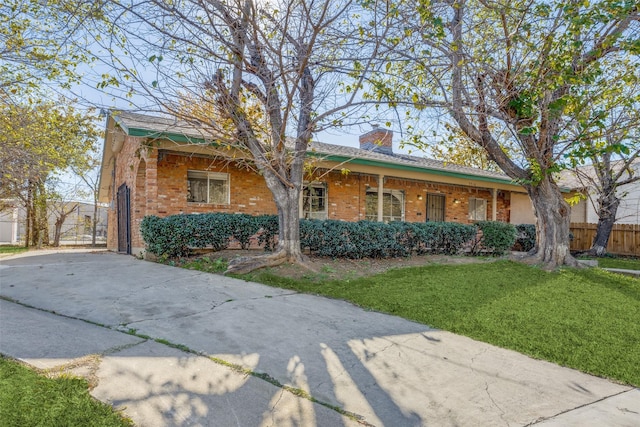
{"x":624,"y":239}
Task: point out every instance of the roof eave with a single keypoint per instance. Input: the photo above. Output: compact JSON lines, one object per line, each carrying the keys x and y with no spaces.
{"x":398,"y":166}
{"x":170,"y":136}
{"x":105,"y":179}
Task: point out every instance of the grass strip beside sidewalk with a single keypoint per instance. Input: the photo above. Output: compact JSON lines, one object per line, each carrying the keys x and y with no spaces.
{"x":30,"y":399}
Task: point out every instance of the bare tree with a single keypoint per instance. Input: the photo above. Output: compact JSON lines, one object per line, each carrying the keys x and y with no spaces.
{"x":91,"y":179}
{"x":272,"y":73}
{"x":60,"y":207}
{"x":613,"y":149}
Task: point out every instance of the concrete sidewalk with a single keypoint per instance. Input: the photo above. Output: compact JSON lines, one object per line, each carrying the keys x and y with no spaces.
{"x":383,"y":369}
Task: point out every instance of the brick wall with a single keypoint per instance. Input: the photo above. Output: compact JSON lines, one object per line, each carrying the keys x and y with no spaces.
{"x":249,"y":193}
{"x":158,"y":185}
{"x":346,"y":198}
{"x":143,"y":188}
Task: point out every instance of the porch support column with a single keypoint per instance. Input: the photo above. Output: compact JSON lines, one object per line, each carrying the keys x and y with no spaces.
{"x":380,"y":198}
{"x":494,"y":204}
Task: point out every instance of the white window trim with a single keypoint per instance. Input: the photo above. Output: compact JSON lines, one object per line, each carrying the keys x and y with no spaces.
{"x":315,"y":184}
{"x":397,"y":193}
{"x":475,"y":203}
{"x":213,"y":175}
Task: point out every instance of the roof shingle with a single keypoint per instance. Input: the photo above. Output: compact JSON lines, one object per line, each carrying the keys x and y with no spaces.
{"x":163,"y":126}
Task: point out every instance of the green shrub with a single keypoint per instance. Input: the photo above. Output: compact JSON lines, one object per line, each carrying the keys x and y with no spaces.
{"x":165,"y":236}
{"x":435,"y":237}
{"x":242,"y":227}
{"x":151,"y":233}
{"x":497,"y":237}
{"x":311,"y":234}
{"x":367,"y":239}
{"x":525,"y":237}
{"x":268,"y":231}
{"x":207,"y":230}
{"x":449,"y":237}
{"x":174,"y":236}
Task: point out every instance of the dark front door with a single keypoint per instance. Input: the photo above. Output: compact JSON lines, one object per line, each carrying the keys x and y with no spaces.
{"x":435,"y":207}
{"x":124,"y":220}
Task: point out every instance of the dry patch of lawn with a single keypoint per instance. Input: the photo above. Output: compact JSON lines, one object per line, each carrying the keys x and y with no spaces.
{"x":320,"y":269}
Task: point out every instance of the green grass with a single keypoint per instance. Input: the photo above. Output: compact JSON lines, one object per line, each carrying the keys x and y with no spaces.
{"x":12,"y":250}
{"x":30,"y":399}
{"x":587,"y":319}
{"x":625,"y":263}
{"x":207,"y":265}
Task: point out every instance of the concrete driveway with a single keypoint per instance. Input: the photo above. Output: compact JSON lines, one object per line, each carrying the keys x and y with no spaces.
{"x":124,"y":323}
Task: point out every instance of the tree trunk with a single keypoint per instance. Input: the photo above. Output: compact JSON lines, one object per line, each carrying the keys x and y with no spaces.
{"x":288,"y":247}
{"x":289,"y":225}
{"x":58,"y":231}
{"x":94,"y":224}
{"x":41,"y":221}
{"x":29,"y":217}
{"x":553,"y":219}
{"x":607,"y":210}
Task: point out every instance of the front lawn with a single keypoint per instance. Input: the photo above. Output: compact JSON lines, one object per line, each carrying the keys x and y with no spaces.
{"x":30,"y":399}
{"x":586,"y":319}
{"x":12,"y":249}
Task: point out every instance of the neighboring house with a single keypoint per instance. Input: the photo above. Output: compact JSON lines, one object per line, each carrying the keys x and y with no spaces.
{"x":9,"y":223}
{"x":161,"y":166}
{"x":77,"y":228}
{"x":522,"y":209}
{"x":585,"y":211}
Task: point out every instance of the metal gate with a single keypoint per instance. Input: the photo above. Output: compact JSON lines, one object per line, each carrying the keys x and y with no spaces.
{"x":124,"y":219}
{"x":435,"y":207}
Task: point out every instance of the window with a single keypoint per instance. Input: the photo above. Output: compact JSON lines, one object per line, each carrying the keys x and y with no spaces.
{"x":477,"y":209}
{"x":392,"y":205}
{"x":208,"y":187}
{"x":314,"y":201}
{"x":435,"y":207}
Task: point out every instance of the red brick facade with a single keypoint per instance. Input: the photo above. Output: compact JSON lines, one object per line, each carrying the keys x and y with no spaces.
{"x":346,"y":194}
{"x":157,"y":180}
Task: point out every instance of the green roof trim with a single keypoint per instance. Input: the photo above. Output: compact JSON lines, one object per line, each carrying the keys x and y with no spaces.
{"x":379,"y":163}
{"x":174,"y":137}
{"x":181,"y":138}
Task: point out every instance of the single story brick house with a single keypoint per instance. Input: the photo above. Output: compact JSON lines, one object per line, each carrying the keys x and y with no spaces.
{"x":161,"y":166}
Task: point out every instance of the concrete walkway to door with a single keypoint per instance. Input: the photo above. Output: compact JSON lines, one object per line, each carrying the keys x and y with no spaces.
{"x":313,"y":361}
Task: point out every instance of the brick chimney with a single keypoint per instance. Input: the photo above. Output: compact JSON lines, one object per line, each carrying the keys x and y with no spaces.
{"x":378,"y":139}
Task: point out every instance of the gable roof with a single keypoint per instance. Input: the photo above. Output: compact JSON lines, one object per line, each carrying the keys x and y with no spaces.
{"x":584,"y":176}
{"x":142,"y":125}
{"x":184,"y":132}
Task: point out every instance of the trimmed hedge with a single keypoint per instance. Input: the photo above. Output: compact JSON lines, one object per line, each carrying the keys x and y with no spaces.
{"x":495,"y":237}
{"x":174,"y":236}
{"x":526,"y":237}
{"x":341,"y":239}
